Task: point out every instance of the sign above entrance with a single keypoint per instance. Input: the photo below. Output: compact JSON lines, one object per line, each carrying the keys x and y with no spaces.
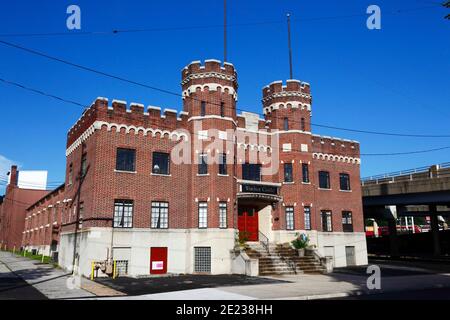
{"x":251,"y":188}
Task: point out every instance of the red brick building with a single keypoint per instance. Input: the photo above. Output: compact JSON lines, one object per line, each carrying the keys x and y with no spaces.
{"x":43,"y":222}
{"x":169,"y":192}
{"x":13,"y":211}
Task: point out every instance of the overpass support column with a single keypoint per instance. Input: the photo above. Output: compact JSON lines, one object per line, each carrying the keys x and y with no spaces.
{"x":393,"y":239}
{"x":435,"y":230}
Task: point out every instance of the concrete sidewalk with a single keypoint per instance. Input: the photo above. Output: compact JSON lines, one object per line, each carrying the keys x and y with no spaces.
{"x":306,"y":287}
{"x":53,"y":283}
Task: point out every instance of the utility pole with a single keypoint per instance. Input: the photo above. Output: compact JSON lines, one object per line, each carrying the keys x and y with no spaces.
{"x":289,"y":44}
{"x":81,"y":177}
{"x":224,"y":30}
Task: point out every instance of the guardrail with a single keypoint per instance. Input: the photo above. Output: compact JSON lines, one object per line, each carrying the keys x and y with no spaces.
{"x":264,"y":240}
{"x":409,"y":174}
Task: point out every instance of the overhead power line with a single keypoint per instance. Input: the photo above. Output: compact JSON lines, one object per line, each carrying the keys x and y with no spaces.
{"x":147,"y":86}
{"x":361,"y":154}
{"x":212,"y":26}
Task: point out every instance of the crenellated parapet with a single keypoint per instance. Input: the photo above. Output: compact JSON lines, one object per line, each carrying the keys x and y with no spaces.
{"x":118,"y":116}
{"x":293,"y":94}
{"x":212,"y":76}
{"x":335,"y":149}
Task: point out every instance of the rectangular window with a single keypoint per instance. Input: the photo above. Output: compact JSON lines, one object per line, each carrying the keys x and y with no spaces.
{"x":326,"y":221}
{"x":289,"y":218}
{"x":347,"y":222}
{"x":344,"y":180}
{"x":251,"y":171}
{"x":307,"y":216}
{"x":70,"y":174}
{"x":83,"y":165}
{"x":160,"y":215}
{"x":125,"y":159}
{"x":286,"y":124}
{"x":202,"y":259}
{"x":302,"y":124}
{"x":203,"y":215}
{"x":288,"y":174}
{"x":203,"y":108}
{"x":222,"y":215}
{"x":223,"y":164}
{"x":123,"y":214}
{"x":324,"y":180}
{"x":222,"y":109}
{"x":305,"y":173}
{"x":160,"y":163}
{"x":203,"y":163}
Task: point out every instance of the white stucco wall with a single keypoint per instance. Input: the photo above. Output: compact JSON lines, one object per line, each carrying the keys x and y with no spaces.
{"x":95,"y":244}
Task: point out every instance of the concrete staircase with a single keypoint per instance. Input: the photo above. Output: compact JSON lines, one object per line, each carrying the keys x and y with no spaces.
{"x":282,"y":260}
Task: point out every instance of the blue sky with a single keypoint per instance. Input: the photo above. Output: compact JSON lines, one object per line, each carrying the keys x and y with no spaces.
{"x":396,"y":79}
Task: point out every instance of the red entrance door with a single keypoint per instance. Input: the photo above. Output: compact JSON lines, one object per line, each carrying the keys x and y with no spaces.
{"x":158,"y":260}
{"x":248,"y":223}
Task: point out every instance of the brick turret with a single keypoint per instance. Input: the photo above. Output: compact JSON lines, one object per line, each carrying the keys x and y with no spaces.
{"x":291,"y":101}
{"x":212,"y":84}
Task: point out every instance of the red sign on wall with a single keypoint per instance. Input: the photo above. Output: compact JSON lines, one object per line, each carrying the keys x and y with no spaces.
{"x":158,"y":260}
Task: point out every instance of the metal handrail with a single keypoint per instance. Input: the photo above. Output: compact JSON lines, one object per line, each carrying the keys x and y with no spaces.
{"x":264,"y":240}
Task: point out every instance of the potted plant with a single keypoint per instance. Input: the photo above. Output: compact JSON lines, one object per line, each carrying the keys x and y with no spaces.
{"x":300,"y":243}
{"x":243,"y":238}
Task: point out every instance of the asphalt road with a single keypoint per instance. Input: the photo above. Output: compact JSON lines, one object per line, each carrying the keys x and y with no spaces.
{"x":12,"y":287}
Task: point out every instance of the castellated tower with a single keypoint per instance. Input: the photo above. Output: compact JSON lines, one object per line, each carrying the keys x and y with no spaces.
{"x":210,"y":89}
{"x":288,"y":107}
{"x":209,"y":102}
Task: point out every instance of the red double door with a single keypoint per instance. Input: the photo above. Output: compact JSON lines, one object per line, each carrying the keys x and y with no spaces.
{"x":248,"y":223}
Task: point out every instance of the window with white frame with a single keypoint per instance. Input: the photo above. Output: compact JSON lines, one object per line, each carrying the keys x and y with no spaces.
{"x":202,"y":215}
{"x":307,"y":214}
{"x":123,"y":213}
{"x":160,"y":215}
{"x":326,"y":221}
{"x":222,"y":215}
{"x":289,"y":218}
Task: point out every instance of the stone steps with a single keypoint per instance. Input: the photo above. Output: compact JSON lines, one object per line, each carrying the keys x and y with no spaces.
{"x":282,"y":260}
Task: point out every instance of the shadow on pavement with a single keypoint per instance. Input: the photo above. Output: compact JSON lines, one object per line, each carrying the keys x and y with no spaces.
{"x":140,"y":286}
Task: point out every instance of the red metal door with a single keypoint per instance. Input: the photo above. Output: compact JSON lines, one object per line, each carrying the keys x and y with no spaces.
{"x":158,"y":260}
{"x":248,"y":223}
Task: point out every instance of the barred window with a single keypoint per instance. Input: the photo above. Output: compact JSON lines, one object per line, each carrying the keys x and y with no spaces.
{"x":347,"y":223}
{"x":202,"y":214}
{"x":307,"y":213}
{"x":70,"y":174}
{"x":125,"y":159}
{"x":160,"y":215}
{"x":123,"y":213}
{"x":289,"y":218}
{"x":222,"y":215}
{"x":305,"y":172}
{"x":160,"y":163}
{"x":326,"y":221}
{"x":202,"y":259}
{"x":344,"y":180}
